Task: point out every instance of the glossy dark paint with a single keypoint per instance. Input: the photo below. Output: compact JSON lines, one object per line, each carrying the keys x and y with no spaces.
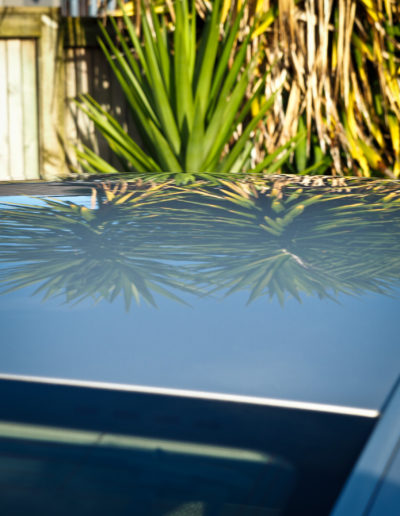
{"x":322,"y":447}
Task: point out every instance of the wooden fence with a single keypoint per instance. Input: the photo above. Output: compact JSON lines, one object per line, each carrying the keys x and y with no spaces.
{"x":19,"y":144}
{"x":88,"y":8}
{"x":46,"y":62}
{"x":87,"y":71}
{"x":73,"y":8}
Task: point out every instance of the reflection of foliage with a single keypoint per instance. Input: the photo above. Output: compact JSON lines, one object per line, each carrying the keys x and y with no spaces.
{"x":81,"y":252}
{"x":287,"y":239}
{"x":280,"y":237}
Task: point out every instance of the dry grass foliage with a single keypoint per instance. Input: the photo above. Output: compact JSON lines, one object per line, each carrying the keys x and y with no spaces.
{"x":337,"y":64}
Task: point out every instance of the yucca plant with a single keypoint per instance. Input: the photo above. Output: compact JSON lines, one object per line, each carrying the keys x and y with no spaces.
{"x":188,"y":97}
{"x":269,"y":39}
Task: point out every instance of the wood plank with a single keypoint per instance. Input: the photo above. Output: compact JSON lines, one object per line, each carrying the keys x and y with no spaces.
{"x":30,"y":112}
{"x":85,"y":126}
{"x":51,"y":98}
{"x":20,"y":22}
{"x":15,"y":108}
{"x":82,"y":32}
{"x":87,"y":71}
{"x":101,"y":92}
{"x":70,"y":120}
{"x":116,"y":102}
{"x":4,"y":132}
{"x":85,"y":66}
{"x":91,"y":64}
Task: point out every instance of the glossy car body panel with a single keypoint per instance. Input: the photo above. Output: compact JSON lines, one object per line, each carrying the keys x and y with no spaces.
{"x":275,"y":330}
{"x":218,"y":344}
{"x":321,"y":447}
{"x":374,"y":487}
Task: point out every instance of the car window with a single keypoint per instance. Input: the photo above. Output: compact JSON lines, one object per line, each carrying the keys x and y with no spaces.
{"x":46,"y":470}
{"x":127,"y":452}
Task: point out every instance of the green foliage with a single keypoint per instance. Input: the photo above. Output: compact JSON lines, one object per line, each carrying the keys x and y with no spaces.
{"x":187,"y":96}
{"x":308,"y":162}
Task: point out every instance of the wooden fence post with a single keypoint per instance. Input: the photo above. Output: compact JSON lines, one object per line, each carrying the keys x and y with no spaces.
{"x":46,"y":62}
{"x":51,"y":97}
{"x":31,"y":94}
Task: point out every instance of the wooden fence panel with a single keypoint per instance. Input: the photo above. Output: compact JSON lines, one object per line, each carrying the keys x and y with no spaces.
{"x":87,"y":71}
{"x":19,"y":155}
{"x":30,"y":110}
{"x":4,"y":147}
{"x":81,"y":71}
{"x":45,"y":64}
{"x":88,"y":8}
{"x":15,"y":113}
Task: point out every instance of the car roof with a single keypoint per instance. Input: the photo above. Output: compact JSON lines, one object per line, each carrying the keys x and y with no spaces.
{"x":286,"y":288}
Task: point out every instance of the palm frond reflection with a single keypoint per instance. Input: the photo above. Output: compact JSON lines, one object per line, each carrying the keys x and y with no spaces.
{"x":278,"y":238}
{"x":73,"y":251}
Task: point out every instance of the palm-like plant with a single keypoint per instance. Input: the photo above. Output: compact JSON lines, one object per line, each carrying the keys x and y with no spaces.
{"x":187,"y":97}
